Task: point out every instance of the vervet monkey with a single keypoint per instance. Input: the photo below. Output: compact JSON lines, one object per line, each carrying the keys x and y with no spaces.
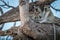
{"x":44,"y":16}
{"x":41,"y":12}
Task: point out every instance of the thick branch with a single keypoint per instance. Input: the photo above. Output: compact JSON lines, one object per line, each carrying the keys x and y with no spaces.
{"x":17,"y":33}
{"x":24,"y":11}
{"x":10,"y":16}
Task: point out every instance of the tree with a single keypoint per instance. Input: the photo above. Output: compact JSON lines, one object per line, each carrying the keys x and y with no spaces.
{"x":29,"y":29}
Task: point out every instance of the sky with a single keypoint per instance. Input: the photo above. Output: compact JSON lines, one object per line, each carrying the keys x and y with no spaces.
{"x":10,"y":24}
{"x":15,"y":3}
{"x":56,"y":5}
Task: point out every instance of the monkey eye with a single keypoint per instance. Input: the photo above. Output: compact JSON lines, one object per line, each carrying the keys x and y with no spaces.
{"x":45,"y":8}
{"x":40,"y":16}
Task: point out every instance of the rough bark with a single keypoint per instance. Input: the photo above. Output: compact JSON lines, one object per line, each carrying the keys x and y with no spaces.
{"x":10,"y":16}
{"x":45,"y":32}
{"x":24,"y":11}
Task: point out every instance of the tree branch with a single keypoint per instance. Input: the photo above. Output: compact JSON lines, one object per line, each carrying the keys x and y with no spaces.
{"x":54,"y":8}
{"x":1,"y":11}
{"x":5,"y":4}
{"x":10,"y":16}
{"x":2,"y":25}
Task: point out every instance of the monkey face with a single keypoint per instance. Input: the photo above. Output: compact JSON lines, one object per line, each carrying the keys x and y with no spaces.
{"x":41,"y":12}
{"x":44,"y":16}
